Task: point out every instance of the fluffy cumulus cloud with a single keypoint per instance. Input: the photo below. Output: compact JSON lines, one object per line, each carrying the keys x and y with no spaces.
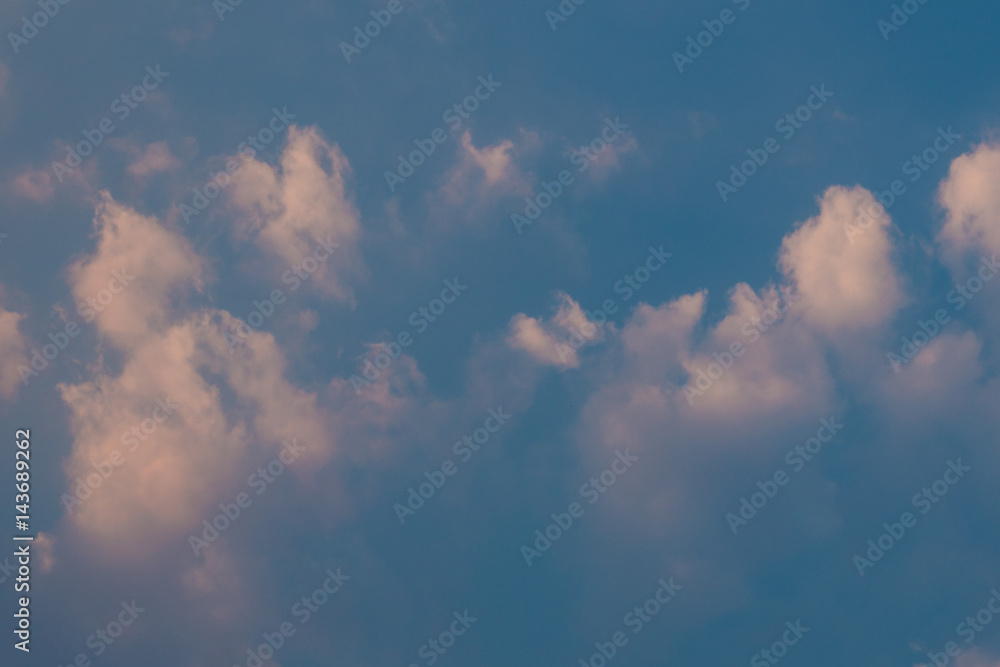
{"x":178,"y":416}
{"x":300,"y":212}
{"x":698,"y":401}
{"x":971,"y":198}
{"x":557,"y":341}
{"x":840,"y":262}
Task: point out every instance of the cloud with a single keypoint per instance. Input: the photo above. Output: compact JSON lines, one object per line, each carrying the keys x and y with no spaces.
{"x":34,"y":184}
{"x":970,"y":196}
{"x":846,"y":283}
{"x":287,"y":210}
{"x":156,"y":158}
{"x":556,"y":342}
{"x":226,"y":405}
{"x":609,"y":160}
{"x":485,"y":174}
{"x":12,"y":351}
{"x":149,"y":265}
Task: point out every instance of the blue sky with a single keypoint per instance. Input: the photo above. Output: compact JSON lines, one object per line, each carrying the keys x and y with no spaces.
{"x":786,"y":306}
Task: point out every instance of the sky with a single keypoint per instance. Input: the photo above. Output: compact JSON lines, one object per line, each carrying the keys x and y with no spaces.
{"x":418,"y":332}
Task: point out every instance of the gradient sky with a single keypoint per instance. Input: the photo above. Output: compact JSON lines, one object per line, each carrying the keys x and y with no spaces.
{"x":683,"y":381}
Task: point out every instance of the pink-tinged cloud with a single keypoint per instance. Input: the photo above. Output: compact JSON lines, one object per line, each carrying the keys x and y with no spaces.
{"x":206,"y":405}
{"x":155,"y":159}
{"x":136,"y":276}
{"x":847,"y":280}
{"x":34,"y":184}
{"x":970,"y":196}
{"x":556,"y":342}
{"x":289,"y":210}
{"x":12,"y":352}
